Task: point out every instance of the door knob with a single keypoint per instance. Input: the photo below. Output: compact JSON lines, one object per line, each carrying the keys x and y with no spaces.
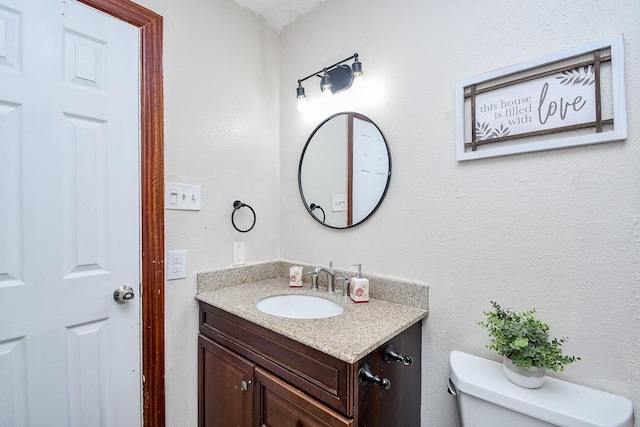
{"x":123,"y":294}
{"x":244,"y":385}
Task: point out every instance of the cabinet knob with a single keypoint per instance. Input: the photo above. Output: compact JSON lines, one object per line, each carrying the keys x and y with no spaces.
{"x":391,"y":355}
{"x":244,"y":385}
{"x":365,"y":376}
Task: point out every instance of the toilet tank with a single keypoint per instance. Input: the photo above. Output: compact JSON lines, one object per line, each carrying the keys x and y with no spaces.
{"x":486,"y":398}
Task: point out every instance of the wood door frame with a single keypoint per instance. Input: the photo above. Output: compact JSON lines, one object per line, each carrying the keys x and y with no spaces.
{"x":152,"y":199}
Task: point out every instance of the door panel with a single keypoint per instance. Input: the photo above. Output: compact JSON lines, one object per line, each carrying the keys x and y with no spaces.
{"x":13,"y":402}
{"x":11,"y":260}
{"x":69,"y":220}
{"x":370,"y":168}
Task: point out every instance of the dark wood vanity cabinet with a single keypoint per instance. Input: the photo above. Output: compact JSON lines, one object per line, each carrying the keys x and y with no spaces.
{"x":251,"y":376}
{"x":225,"y":380}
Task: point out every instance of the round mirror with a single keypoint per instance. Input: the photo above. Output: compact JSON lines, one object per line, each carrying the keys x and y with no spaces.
{"x":344,"y":171}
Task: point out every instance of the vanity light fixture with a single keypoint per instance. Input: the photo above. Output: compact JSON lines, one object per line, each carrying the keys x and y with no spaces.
{"x":334,"y":78}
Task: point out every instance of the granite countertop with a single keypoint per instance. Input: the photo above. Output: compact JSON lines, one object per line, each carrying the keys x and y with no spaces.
{"x":349,"y":336}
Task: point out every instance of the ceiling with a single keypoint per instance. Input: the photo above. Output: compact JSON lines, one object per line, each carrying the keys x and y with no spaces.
{"x":279,"y":13}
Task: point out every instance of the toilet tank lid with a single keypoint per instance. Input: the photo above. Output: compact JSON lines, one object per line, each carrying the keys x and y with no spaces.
{"x":557,"y":402}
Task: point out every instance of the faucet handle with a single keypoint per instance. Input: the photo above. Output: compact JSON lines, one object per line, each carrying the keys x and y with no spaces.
{"x":314,"y":280}
{"x":346,"y":283}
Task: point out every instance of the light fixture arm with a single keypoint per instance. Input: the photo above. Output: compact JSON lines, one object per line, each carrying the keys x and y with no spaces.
{"x":320,"y":72}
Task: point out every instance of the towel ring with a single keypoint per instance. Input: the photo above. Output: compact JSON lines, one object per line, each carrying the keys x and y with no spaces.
{"x":238,"y":205}
{"x":313,"y":206}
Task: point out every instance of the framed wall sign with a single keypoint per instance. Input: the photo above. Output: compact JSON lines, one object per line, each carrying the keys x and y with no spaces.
{"x":573,"y":97}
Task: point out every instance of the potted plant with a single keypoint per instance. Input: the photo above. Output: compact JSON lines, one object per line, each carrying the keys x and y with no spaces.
{"x":524,"y":343}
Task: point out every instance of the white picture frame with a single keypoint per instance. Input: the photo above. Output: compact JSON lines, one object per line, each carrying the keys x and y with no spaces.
{"x":523,"y":80}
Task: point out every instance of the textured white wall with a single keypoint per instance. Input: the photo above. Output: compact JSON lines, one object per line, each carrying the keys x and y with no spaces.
{"x":221,"y":131}
{"x":557,"y":230}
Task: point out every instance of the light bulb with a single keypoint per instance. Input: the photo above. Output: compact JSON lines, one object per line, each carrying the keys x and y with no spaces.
{"x":303,"y":105}
{"x":326,"y":94}
{"x":358,"y":83}
{"x":325,"y":83}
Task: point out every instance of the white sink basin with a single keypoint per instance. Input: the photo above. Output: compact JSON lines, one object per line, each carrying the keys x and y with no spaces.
{"x":299,"y":307}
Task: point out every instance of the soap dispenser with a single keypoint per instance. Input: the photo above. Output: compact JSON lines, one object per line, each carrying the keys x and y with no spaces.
{"x":359,"y":287}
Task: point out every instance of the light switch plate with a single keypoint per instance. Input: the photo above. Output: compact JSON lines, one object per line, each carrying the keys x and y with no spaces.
{"x":338,"y":203}
{"x":181,"y":196}
{"x":176,"y":265}
{"x":238,"y":253}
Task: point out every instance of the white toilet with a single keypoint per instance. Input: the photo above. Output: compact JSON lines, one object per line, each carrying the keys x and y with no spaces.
{"x":486,"y":398}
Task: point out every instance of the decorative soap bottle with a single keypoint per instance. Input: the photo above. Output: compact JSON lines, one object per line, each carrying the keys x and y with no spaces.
{"x":359,"y":287}
{"x":295,"y":276}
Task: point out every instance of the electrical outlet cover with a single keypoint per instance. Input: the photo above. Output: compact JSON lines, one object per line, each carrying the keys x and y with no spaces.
{"x":176,"y":265}
{"x":238,"y":253}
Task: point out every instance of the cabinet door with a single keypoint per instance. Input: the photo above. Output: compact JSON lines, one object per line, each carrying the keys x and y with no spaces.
{"x":282,"y":405}
{"x":400,"y":404}
{"x":225,"y":389}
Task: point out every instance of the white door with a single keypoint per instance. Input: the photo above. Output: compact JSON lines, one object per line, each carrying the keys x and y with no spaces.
{"x":370,"y":168}
{"x":69,"y":216}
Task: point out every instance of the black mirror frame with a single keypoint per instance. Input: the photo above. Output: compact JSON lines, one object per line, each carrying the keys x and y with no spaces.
{"x":386,"y":188}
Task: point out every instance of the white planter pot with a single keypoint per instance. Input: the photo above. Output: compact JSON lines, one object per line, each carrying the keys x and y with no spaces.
{"x":528,"y":378}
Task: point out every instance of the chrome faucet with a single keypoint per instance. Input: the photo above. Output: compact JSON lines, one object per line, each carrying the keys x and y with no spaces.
{"x":331,"y":275}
